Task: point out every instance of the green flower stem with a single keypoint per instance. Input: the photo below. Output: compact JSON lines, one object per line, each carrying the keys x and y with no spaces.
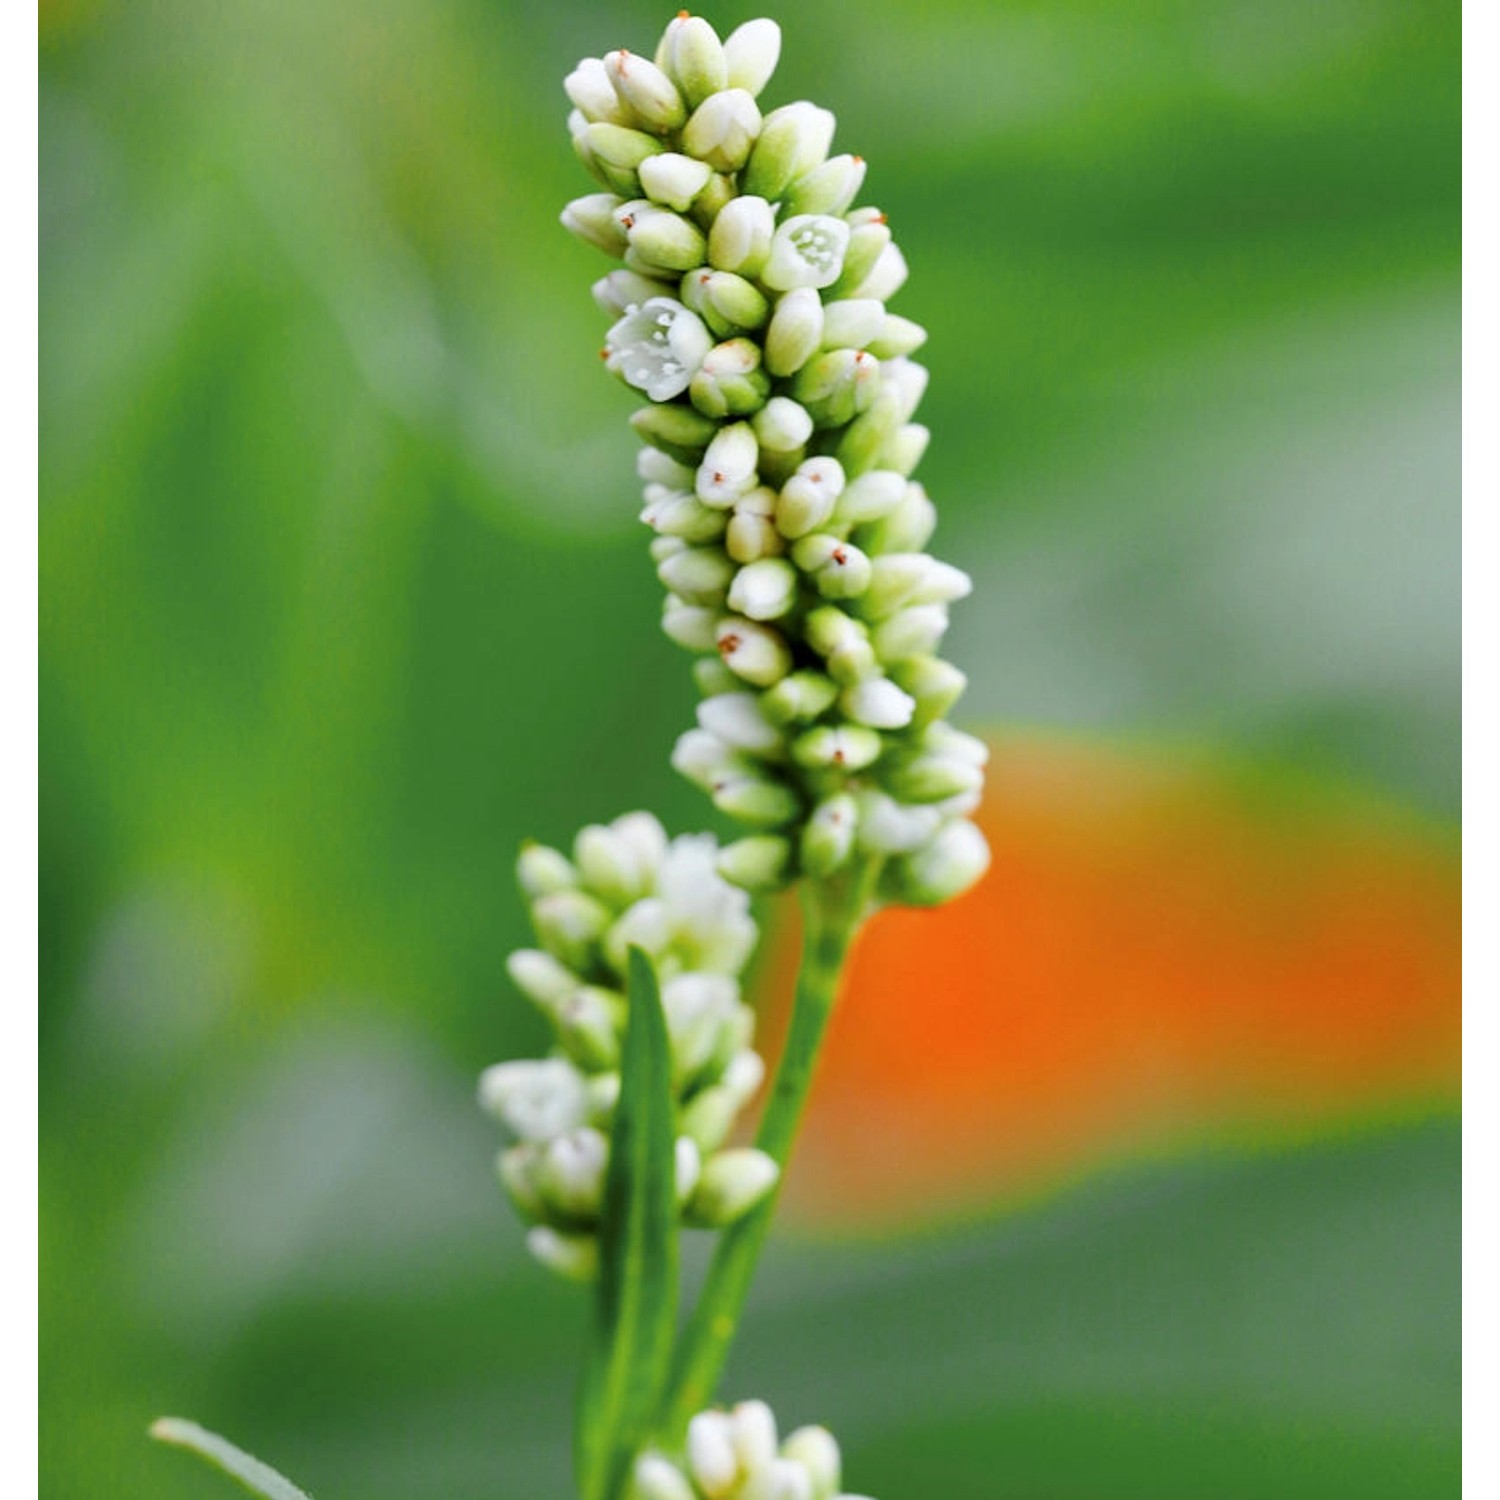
{"x":833,"y":912}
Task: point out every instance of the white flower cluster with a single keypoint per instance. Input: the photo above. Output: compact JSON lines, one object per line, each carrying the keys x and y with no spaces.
{"x":625,"y":886}
{"x":735,"y":1455}
{"x":790,"y":537}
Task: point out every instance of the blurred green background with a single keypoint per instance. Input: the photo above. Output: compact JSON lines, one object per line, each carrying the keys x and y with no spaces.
{"x":343,"y":594}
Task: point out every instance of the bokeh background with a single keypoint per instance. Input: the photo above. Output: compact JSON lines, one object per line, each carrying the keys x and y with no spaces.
{"x":1136,"y":1173}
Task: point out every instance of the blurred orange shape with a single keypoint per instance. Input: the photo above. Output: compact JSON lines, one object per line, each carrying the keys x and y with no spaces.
{"x":1166,"y":950}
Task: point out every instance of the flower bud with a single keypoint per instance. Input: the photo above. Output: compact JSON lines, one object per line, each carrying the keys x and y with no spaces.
{"x":609,"y":866}
{"x":751,"y":52}
{"x":657,"y":1478}
{"x":691,"y":626}
{"x":693,"y":56}
{"x":898,"y":336}
{"x":569,"y":925}
{"x":678,"y":431}
{"x":904,"y":383}
{"x":835,"y":385}
{"x":710,"y":676}
{"x":910,"y":632}
{"x":864,"y":442}
{"x":589,"y":88}
{"x":799,"y":696}
{"x":753,"y":1433}
{"x":851,"y":322}
{"x":740,"y":239}
{"x":540,"y":977}
{"x":704,"y":758}
{"x":827,"y":189}
{"x":646,"y":837}
{"x":935,"y":686}
{"x":710,"y":1454}
{"x":725,"y":300}
{"x":793,"y":140}
{"x":712,"y":201}
{"x":904,"y":450}
{"x":815,"y":1449}
{"x":721,"y":132}
{"x":887,"y":276}
{"x":808,"y":498}
{"x":590,"y":1023}
{"x":765,"y":589}
{"x":730,"y":381}
{"x":540,"y":869}
{"x":877,"y":702}
{"x":848,"y":747}
{"x":904,"y":578}
{"x":752,"y":537}
{"x":673,"y":179}
{"x":657,"y":347}
{"x":646,"y":925}
{"x":698,"y":574}
{"x":646,"y":89}
{"x":661,"y":240}
{"x":955,"y":860}
{"x":838,"y":569}
{"x":828,"y":838}
{"x":944,"y":739}
{"x":619,"y":151}
{"x":874,"y":494}
{"x":673,"y":513}
{"x":909,"y":526}
{"x":535,"y":1099}
{"x":807,"y":250}
{"x":757,"y":801}
{"x":753,"y":652}
{"x":575,"y":1256}
{"x":795,"y":332}
{"x":781,"y":425}
{"x":733,"y":1182}
{"x":737,"y":720}
{"x":516,"y":1167}
{"x":933,"y":778}
{"x":592,"y":219}
{"x":623,"y":289}
{"x":887,"y":826}
{"x":868,"y":240}
{"x":761,"y":862}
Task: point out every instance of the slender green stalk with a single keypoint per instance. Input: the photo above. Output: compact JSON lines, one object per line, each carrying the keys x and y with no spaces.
{"x":832,"y":914}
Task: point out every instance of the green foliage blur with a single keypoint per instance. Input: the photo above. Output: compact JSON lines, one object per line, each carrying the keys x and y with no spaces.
{"x":343,"y":594}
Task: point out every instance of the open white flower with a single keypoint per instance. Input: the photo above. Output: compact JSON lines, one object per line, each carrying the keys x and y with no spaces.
{"x":658,"y":347}
{"x":807,"y":250}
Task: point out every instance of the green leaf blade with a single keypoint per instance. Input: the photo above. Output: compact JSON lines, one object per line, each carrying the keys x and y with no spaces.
{"x":632,"y":1349}
{"x":257,"y":1477}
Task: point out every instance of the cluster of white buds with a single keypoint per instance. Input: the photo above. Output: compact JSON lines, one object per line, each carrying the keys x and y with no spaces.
{"x":735,"y":1455}
{"x":627,"y":886}
{"x":789,"y":535}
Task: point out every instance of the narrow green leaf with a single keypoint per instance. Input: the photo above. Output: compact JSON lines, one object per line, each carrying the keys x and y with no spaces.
{"x":632,"y":1347}
{"x":258,"y":1478}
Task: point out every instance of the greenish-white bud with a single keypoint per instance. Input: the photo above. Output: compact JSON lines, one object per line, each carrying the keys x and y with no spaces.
{"x":711,"y":1458}
{"x":828,"y":629}
{"x":675,"y":513}
{"x":917,"y":631}
{"x":541,"y":978}
{"x":836,"y":385}
{"x":793,"y":140}
{"x":934,"y":684}
{"x":933,"y":778}
{"x":757,"y":801}
{"x":901,"y":579}
{"x":730,"y":381}
{"x":646,"y":89}
{"x":710,"y":676}
{"x":589,"y":1024}
{"x":661,"y":240}
{"x":908,"y":528}
{"x":828,"y":837}
{"x":569,"y":925}
{"x":879,"y":703}
{"x":753,"y":1433}
{"x":740,"y":239}
{"x":624,"y":289}
{"x":698,"y":574}
{"x":574,"y":1256}
{"x":795,"y":333}
{"x":658,"y":347}
{"x":815,"y":1449}
{"x":589,"y":88}
{"x":951,"y":864}
{"x":838,"y":569}
{"x":656,"y":467}
{"x":646,"y":925}
{"x":864,"y":443}
{"x":903,"y":382}
{"x":540,"y":869}
{"x":704,"y":758}
{"x":781,"y":425}
{"x":722,"y":130}
{"x":752,"y":537}
{"x":728,"y":468}
{"x":691,"y":626}
{"x":537,"y":1099}
{"x":846,"y":747}
{"x":516,"y":1167}
{"x":657,"y":1478}
{"x":898,"y":336}
{"x":851,"y":323}
{"x":619,"y":151}
{"x":751,"y":52}
{"x":765,"y":589}
{"x":887,"y":276}
{"x":755,"y":653}
{"x":904,"y":449}
{"x":761,"y":862}
{"x":673,"y":179}
{"x":608,"y":864}
{"x":800,"y":696}
{"x":578,"y":130}
{"x":870,"y":496}
{"x":887,"y":826}
{"x":807,"y":250}
{"x":869,"y":235}
{"x":737,"y":720}
{"x":733,"y":1182}
{"x":725,"y":300}
{"x":693,"y":55}
{"x":944,"y":739}
{"x":592,"y":219}
{"x":712,"y":201}
{"x":645,"y":835}
{"x":808,"y":498}
{"x":828,"y":189}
